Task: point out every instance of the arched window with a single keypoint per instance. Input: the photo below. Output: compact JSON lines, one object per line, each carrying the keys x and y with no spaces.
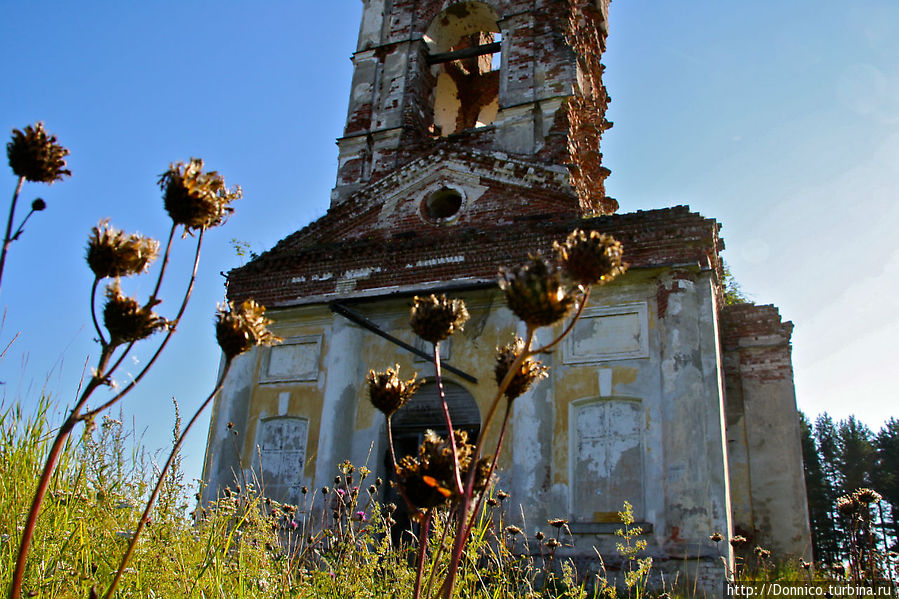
{"x":464,"y":43}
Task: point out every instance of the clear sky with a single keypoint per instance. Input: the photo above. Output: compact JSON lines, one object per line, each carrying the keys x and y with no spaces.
{"x":778,"y":119}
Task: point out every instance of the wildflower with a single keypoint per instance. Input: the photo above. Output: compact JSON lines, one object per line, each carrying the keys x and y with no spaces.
{"x":716,"y":538}
{"x":126,"y":320}
{"x":552,"y":543}
{"x":239,"y":329}
{"x":557,"y":522}
{"x":590,"y":258}
{"x":346,"y":467}
{"x":337,"y":480}
{"x":360,"y":516}
{"x":436,"y":318}
{"x":325,"y":490}
{"x":492,"y":502}
{"x":502,"y":495}
{"x":372,"y":489}
{"x":539,"y":535}
{"x":196,"y":199}
{"x":36,"y":156}
{"x":388,"y":392}
{"x":738,"y":541}
{"x":513,"y":530}
{"x":867,"y":496}
{"x":536,"y":293}
{"x":527,"y":374}
{"x":112,"y":253}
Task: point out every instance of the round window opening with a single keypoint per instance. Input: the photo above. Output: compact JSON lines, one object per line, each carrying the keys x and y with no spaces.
{"x":442,"y":205}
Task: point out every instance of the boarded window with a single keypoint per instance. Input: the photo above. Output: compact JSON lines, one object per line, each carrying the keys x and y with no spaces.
{"x":282,"y":454}
{"x":606,"y":459}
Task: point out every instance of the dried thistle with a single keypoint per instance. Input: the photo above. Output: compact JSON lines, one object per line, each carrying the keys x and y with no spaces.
{"x":112,"y":253}
{"x":436,"y":318}
{"x":557,"y":522}
{"x":389,"y":393}
{"x":867,"y":496}
{"x":196,"y":199}
{"x":590,"y":258}
{"x":847,"y":505}
{"x":513,"y":530}
{"x":126,"y":320}
{"x":536,"y":292}
{"x":526,"y":375}
{"x":761,"y":553}
{"x":716,"y":537}
{"x":35,"y":155}
{"x":239,"y":329}
{"x":738,"y":541}
{"x":427,"y":479}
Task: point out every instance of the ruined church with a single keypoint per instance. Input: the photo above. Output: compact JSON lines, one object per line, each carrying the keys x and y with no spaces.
{"x":473,"y":139}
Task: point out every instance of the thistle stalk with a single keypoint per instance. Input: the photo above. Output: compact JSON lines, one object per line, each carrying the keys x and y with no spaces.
{"x":7,"y":239}
{"x":457,"y":477}
{"x":422,"y":550}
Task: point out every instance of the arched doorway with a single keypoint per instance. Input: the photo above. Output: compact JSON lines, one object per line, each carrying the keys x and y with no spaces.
{"x":424,"y":412}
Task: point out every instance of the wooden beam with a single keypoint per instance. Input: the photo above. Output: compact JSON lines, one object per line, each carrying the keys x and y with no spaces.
{"x":465,"y":53}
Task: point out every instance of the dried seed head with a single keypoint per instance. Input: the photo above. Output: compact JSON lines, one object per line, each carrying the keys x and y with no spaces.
{"x":539,"y":535}
{"x":738,"y":541}
{"x":557,"y":522}
{"x":388,"y":393}
{"x":502,"y":495}
{"x":35,"y":155}
{"x":38,"y":204}
{"x":526,"y":375}
{"x":436,"y":318}
{"x":867,"y":496}
{"x":590,"y":258}
{"x":536,"y":292}
{"x":761,"y":553}
{"x":716,"y":538}
{"x":126,"y":320}
{"x":553,"y":543}
{"x":846,"y":505}
{"x":492,"y":502}
{"x":112,"y":253}
{"x":513,"y":530}
{"x":239,"y":329}
{"x":427,"y":479}
{"x":196,"y":199}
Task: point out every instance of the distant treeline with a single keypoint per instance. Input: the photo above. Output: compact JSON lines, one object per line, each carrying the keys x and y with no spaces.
{"x":840,"y":457}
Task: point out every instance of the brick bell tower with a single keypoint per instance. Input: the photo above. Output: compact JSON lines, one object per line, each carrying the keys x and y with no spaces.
{"x":507,"y":84}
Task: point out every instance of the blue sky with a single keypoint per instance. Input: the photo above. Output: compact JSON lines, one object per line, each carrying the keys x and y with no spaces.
{"x":778,"y":119}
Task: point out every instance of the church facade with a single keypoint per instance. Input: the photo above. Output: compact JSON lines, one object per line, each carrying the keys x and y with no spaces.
{"x":472,"y":140}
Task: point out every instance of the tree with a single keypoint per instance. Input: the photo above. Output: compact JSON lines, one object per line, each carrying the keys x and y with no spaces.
{"x":885,"y":477}
{"x":820,"y":496}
